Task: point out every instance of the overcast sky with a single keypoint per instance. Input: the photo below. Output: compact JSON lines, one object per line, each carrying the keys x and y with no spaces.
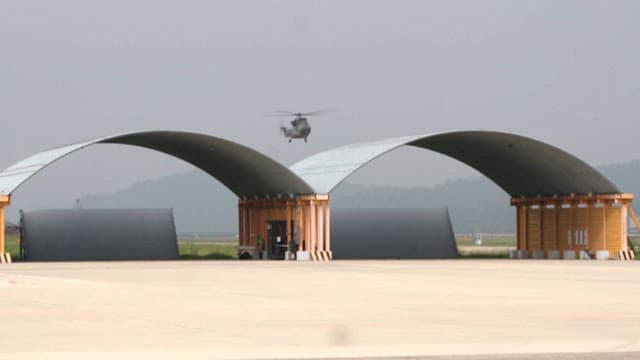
{"x":565,"y":72}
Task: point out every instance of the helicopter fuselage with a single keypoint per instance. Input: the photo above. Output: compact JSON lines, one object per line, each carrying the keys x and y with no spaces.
{"x":299,"y":129}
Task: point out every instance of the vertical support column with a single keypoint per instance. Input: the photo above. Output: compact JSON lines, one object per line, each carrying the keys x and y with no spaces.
{"x":555,"y":226}
{"x":255,"y":220}
{"x":541,"y":225}
{"x":604,"y":227}
{"x":258,"y":226}
{"x":526,"y":226}
{"x":571,"y":225}
{"x":518,"y":228}
{"x":312,"y":225}
{"x":266,"y":215}
{"x":307,"y":217}
{"x":289,"y":225}
{"x":245,"y":225}
{"x":261,"y":226}
{"x":624,"y":228}
{"x":2,"y":245}
{"x":248,"y":228}
{"x":301,"y":226}
{"x":4,"y":201}
{"x":587,"y":236}
{"x":327,"y":227}
{"x":240,"y":224}
{"x":519,"y":214}
{"x":320,"y":226}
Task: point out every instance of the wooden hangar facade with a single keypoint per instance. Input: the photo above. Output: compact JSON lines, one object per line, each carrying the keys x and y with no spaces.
{"x":574,"y":226}
{"x":297,"y":228}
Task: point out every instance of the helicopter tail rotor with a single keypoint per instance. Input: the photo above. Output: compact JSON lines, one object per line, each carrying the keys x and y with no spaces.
{"x":283,"y":129}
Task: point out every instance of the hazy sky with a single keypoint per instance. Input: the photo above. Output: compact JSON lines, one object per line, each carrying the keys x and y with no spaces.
{"x":566,"y":72}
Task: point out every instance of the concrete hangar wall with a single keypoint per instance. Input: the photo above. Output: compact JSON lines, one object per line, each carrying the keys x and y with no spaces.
{"x":294,"y":203}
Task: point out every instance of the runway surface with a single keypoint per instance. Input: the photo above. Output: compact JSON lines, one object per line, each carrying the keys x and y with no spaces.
{"x":491,"y":309}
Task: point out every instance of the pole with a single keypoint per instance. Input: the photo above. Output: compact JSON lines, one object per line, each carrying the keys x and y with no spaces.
{"x":320,"y":226}
{"x":2,"y":247}
{"x":327,"y":224}
{"x":289,"y":224}
{"x":312,"y":226}
{"x":240,"y":224}
{"x":4,"y":201}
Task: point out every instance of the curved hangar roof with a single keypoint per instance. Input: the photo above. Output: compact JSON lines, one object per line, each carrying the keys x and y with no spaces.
{"x":519,"y":165}
{"x":244,"y":171}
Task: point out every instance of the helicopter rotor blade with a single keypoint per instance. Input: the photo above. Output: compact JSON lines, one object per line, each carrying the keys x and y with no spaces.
{"x":317,"y":112}
{"x":299,"y":114}
{"x":283,"y":112}
{"x":280,"y":115}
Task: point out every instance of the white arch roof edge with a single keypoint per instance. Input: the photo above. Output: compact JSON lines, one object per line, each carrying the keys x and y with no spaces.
{"x":12,"y":177}
{"x":326,"y":170}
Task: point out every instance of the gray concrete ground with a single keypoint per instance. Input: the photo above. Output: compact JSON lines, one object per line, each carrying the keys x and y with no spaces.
{"x":358,"y":309}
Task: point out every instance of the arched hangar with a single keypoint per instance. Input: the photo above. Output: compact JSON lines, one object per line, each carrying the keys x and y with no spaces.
{"x":563,"y":204}
{"x":246,"y":172}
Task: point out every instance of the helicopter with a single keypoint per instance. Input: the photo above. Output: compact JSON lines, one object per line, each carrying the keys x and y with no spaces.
{"x":300,"y":128}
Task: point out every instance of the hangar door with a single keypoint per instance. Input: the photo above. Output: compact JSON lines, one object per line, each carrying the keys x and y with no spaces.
{"x":98,"y":234}
{"x":392,"y":234}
